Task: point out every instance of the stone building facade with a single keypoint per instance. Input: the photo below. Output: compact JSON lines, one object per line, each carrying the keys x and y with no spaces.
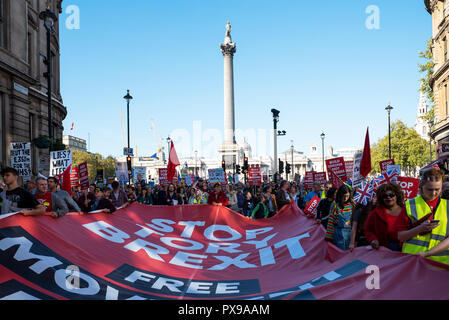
{"x":23,"y":87}
{"x":439,"y":10}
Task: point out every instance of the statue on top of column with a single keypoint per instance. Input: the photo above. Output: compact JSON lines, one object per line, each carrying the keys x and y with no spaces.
{"x":228,"y":33}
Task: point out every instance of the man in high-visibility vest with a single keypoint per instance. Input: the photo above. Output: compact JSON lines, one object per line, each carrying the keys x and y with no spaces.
{"x":423,"y":225}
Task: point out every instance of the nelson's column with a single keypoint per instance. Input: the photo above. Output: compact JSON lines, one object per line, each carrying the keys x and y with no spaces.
{"x":229,"y":149}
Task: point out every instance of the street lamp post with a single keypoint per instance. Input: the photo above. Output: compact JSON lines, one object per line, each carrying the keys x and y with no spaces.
{"x":275,"y":141}
{"x":389,"y":108}
{"x":322,"y":145}
{"x":430,"y":139}
{"x":128,"y":98}
{"x":49,"y":19}
{"x":168,"y":148}
{"x":196,"y":157}
{"x":293,"y":165}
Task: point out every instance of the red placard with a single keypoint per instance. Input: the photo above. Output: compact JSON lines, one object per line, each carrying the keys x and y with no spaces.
{"x":309,"y":178}
{"x":255,"y":176}
{"x":384,"y":164}
{"x":74,"y":179}
{"x":163,"y":177}
{"x":320,"y":177}
{"x":312,"y":206}
{"x":335,"y":180}
{"x":337,"y":165}
{"x":83,"y":175}
{"x":409,"y":186}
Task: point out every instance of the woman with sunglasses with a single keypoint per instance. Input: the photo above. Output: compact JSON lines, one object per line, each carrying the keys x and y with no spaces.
{"x":380,"y":227}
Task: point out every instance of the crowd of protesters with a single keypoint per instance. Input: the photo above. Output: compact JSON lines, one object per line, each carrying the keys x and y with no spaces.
{"x":418,"y":226}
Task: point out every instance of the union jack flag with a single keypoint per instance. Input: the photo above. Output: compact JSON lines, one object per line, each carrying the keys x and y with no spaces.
{"x":391,"y":175}
{"x":365,"y":192}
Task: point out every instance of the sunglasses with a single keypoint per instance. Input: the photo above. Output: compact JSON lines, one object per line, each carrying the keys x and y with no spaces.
{"x":389,"y":196}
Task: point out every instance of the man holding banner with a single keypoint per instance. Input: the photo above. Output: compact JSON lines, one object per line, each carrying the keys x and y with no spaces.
{"x":71,"y":204}
{"x":16,"y":199}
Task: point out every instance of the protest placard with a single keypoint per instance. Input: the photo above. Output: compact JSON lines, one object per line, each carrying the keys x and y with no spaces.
{"x":357,"y":178}
{"x":217,"y":175}
{"x":255,"y":176}
{"x":74,"y":178}
{"x":309,"y":178}
{"x":384,"y":164}
{"x":320,"y":177}
{"x":83,"y":174}
{"x":163,"y":181}
{"x":337,"y":165}
{"x":21,"y":158}
{"x":409,"y":186}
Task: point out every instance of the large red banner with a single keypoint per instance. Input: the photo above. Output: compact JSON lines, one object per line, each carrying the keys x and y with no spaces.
{"x":200,"y":252}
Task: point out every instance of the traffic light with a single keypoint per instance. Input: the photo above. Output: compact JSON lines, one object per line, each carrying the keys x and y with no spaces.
{"x":245,"y":164}
{"x":288,"y":168}
{"x":128,"y":161}
{"x":237,"y":169}
{"x":281,"y":166}
{"x":223,"y":165}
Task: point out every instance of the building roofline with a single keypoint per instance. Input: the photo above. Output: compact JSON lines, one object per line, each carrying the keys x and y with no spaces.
{"x":427,"y":3}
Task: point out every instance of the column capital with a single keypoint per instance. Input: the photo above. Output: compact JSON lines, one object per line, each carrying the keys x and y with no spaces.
{"x":228,"y":48}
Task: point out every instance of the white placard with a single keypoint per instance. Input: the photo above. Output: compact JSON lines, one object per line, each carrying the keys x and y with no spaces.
{"x":21,"y":158}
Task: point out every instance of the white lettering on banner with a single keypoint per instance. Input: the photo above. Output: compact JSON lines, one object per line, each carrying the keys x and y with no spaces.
{"x":189,"y":227}
{"x":209,"y":233}
{"x":160,"y":225}
{"x":261,"y":243}
{"x":294,"y":246}
{"x":23,"y":253}
{"x":266,"y":256}
{"x":153,"y":250}
{"x":145,"y":232}
{"x":106,"y":231}
{"x":228,"y":288}
{"x":194,"y":245}
{"x":92,"y":285}
{"x":220,"y":238}
{"x":223,"y":246}
{"x":193,"y":287}
{"x":141,"y":276}
{"x":200,"y":288}
{"x":252,"y":234}
{"x":182,"y":259}
{"x":237,"y":261}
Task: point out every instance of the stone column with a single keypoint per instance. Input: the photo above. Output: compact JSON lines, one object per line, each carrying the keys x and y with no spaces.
{"x":228,"y":51}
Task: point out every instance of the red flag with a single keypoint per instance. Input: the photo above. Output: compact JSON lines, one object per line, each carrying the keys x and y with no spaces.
{"x":72,"y":126}
{"x":173,"y":162}
{"x":365,"y":165}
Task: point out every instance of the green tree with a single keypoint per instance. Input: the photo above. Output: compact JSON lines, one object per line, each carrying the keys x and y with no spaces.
{"x":407,"y":149}
{"x":94,"y":161}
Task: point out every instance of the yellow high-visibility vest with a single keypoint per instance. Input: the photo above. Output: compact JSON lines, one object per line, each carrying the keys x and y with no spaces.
{"x":417,"y":209}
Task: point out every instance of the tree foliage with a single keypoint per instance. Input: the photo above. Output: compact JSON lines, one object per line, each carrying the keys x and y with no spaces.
{"x":407,"y":149}
{"x":94,"y":161}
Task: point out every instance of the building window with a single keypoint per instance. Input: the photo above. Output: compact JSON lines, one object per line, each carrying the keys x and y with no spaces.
{"x":445,"y":98}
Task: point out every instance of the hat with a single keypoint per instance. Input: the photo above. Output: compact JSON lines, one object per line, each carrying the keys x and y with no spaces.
{"x":217,"y":184}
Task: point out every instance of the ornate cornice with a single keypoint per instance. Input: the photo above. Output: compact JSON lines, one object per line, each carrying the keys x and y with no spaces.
{"x":228,"y":48}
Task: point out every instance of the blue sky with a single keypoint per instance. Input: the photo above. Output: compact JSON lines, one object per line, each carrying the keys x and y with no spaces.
{"x":316,"y":62}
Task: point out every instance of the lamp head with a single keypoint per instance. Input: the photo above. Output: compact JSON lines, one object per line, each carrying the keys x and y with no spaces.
{"x":128,"y":97}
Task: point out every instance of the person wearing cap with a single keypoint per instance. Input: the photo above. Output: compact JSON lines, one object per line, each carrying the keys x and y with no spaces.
{"x":217,"y":197}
